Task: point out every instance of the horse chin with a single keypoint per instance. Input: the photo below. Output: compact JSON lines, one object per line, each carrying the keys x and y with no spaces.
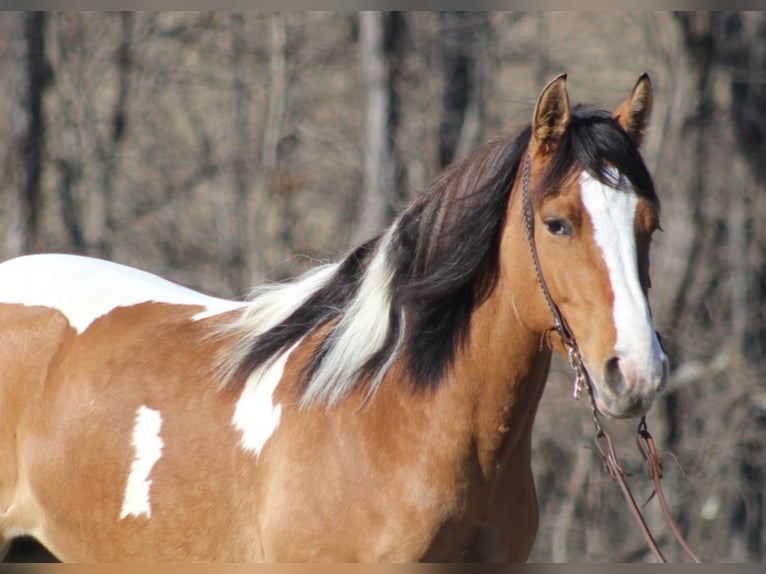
{"x":623,"y":407}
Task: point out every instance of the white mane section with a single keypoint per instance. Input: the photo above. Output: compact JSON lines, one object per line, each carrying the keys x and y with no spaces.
{"x":361,"y":329}
{"x":84,"y":288}
{"x":269,"y":306}
{"x":359,"y":334}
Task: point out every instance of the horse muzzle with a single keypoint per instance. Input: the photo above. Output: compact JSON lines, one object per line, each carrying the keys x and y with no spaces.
{"x":628,"y":385}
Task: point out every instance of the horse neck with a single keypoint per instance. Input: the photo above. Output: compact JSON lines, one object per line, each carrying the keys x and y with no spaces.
{"x":505,"y":362}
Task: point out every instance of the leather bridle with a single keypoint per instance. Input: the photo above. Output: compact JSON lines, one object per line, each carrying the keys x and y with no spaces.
{"x":603,"y":441}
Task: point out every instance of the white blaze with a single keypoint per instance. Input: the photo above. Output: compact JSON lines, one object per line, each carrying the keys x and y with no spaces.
{"x":147,"y":447}
{"x":613,"y":215}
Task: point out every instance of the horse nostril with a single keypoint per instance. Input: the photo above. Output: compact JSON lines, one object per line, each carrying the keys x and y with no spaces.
{"x":613,"y":375}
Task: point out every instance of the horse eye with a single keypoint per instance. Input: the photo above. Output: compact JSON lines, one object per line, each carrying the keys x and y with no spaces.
{"x":558,"y":227}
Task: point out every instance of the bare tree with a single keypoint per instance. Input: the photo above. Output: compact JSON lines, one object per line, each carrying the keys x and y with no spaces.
{"x":39,"y":76}
{"x":379,"y":35}
{"x":264,"y":205}
{"x":466,"y":46}
{"x":109,"y":150}
{"x":232,"y":228}
{"x":211,"y":148}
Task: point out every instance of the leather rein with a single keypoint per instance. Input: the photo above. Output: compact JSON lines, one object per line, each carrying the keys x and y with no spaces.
{"x":603,"y":441}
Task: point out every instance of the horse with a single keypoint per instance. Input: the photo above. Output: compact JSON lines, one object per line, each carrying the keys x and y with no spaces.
{"x":378,"y":408}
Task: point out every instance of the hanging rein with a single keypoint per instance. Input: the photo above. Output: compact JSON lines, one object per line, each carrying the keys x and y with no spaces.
{"x":603,"y":441}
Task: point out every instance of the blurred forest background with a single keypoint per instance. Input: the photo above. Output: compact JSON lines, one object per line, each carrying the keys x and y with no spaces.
{"x":220,"y":150}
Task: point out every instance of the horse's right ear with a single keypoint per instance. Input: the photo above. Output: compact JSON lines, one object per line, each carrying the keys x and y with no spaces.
{"x":552,"y":115}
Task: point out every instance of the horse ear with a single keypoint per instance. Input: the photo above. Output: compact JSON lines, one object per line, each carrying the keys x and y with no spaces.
{"x":552,"y":114}
{"x":633,"y":114}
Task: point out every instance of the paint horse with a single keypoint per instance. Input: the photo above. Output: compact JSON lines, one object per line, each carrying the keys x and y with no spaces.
{"x":375,"y":409}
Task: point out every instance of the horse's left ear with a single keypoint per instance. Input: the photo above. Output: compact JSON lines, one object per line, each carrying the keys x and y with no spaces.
{"x":633,"y":114}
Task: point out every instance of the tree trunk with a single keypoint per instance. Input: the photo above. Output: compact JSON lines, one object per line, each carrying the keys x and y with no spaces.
{"x":109,"y":150}
{"x":231,"y":214}
{"x":264,"y":206}
{"x":699,"y":42}
{"x":460,"y":37}
{"x":381,"y":167}
{"x":32,"y":144}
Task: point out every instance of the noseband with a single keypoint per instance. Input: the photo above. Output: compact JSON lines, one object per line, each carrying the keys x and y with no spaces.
{"x":603,"y":442}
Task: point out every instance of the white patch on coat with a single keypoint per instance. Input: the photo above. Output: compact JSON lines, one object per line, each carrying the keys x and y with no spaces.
{"x":84,"y":288}
{"x":256,"y":416}
{"x":147,"y":448}
{"x":613,"y":215}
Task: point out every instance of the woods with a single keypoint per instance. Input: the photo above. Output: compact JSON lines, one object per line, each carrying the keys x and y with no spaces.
{"x":221,"y":150}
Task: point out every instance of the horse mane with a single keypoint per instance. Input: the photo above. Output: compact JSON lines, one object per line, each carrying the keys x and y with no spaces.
{"x":410,"y":292}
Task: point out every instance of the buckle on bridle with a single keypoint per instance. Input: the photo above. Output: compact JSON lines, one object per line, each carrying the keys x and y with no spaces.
{"x":576,"y":363}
